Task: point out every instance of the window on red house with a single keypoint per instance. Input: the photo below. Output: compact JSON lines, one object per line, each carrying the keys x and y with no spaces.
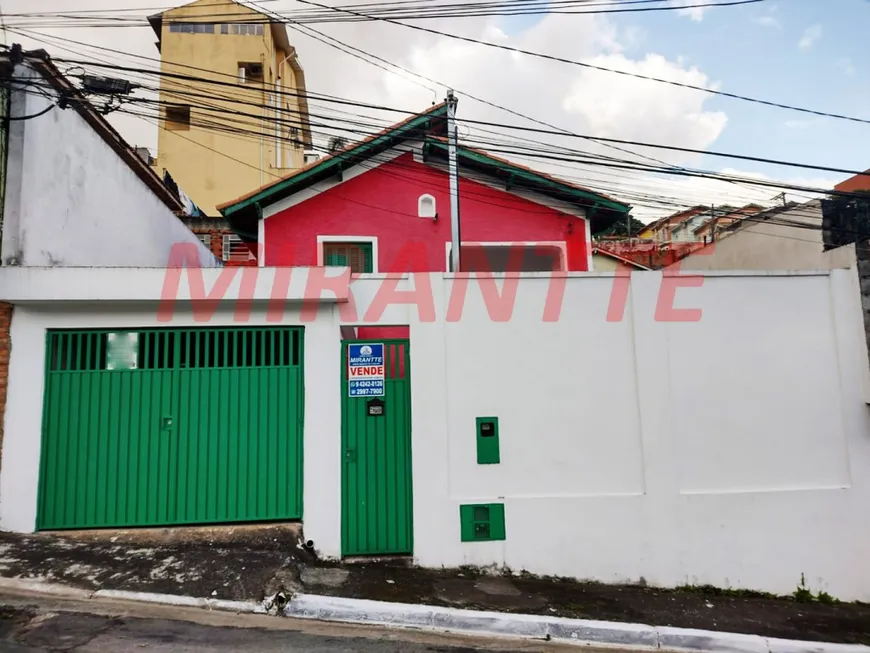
{"x":357,"y":256}
{"x":519,"y":257}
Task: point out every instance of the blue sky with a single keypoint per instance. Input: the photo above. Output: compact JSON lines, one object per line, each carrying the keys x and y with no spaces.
{"x":808,"y":53}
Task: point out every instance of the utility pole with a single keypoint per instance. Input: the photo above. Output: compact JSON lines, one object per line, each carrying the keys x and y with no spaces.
{"x":712,"y":222}
{"x":452,"y":146}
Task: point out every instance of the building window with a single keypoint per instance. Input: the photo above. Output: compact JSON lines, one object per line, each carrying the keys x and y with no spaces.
{"x":359,"y":257}
{"x":426,"y":207}
{"x":234,"y":249}
{"x":192,"y":28}
{"x":205,"y":239}
{"x":242,"y":29}
{"x":509,"y":257}
{"x":250,"y":73}
{"x":178,"y":118}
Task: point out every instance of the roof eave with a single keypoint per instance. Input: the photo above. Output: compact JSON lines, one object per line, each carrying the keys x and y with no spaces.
{"x":326,"y":167}
{"x":584,"y":197}
{"x":302,"y":98}
{"x":156,"y":22}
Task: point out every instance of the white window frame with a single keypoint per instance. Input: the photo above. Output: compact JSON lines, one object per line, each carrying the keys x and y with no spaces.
{"x":424,"y":198}
{"x":349,"y":239}
{"x":560,"y":244}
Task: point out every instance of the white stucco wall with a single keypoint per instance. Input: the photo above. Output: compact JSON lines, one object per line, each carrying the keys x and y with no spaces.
{"x":72,"y":201}
{"x":733,"y":451}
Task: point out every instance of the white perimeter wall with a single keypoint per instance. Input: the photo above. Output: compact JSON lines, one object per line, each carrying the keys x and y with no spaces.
{"x":72,"y":201}
{"x":733,"y":451}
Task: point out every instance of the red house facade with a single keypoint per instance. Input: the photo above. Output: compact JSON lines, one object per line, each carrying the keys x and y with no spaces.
{"x":383,"y":205}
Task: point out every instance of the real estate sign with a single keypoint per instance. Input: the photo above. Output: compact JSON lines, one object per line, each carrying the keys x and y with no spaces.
{"x":365,"y":370}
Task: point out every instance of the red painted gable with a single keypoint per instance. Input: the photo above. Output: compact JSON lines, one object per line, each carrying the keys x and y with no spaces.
{"x":382,"y":203}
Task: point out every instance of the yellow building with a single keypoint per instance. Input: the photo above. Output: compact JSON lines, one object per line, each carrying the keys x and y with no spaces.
{"x":234,"y":112}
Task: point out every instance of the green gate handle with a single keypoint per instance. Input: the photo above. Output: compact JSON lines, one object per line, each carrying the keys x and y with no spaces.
{"x":350,"y":455}
{"x":166,"y":423}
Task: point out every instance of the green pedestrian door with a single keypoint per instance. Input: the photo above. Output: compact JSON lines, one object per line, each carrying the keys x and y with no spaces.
{"x":155,"y":427}
{"x":376,"y":506}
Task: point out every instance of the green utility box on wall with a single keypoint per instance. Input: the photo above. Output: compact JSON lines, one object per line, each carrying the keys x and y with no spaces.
{"x":483,"y":522}
{"x":487,"y":441}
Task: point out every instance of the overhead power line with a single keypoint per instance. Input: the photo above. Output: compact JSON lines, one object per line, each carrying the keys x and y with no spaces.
{"x":618,"y":191}
{"x":417,"y":10}
{"x":391,"y":67}
{"x":770,"y":220}
{"x":590,"y":66}
{"x":674,"y":148}
{"x":349,"y":102}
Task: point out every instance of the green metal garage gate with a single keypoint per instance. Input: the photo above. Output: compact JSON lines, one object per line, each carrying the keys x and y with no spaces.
{"x":153,"y":427}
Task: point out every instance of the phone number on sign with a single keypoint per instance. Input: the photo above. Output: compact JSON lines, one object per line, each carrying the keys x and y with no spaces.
{"x":366,"y":392}
{"x":368,"y":384}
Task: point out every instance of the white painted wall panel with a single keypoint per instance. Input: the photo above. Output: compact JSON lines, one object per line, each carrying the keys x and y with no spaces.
{"x":564,"y":430}
{"x":72,"y":201}
{"x":756,"y":386}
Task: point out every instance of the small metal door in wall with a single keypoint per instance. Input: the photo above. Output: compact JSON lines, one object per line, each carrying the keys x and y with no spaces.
{"x":377,"y":512}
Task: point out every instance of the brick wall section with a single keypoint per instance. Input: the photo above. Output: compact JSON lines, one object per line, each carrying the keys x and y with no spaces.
{"x":216,"y":239}
{"x":217,"y":245}
{"x":5,"y":347}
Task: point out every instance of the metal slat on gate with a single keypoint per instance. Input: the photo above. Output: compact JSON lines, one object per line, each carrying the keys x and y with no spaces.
{"x":155,"y":427}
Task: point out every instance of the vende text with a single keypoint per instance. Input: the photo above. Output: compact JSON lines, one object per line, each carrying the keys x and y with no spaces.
{"x":373,"y":371}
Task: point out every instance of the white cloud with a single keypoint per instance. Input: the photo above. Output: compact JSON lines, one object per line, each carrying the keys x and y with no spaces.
{"x":811,"y":34}
{"x":626,"y":107}
{"x":802,"y":124}
{"x":846,"y":66}
{"x":766,"y":21}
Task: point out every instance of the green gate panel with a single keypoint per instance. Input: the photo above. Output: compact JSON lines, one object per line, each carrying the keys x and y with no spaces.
{"x":377,"y":501}
{"x":160,"y":427}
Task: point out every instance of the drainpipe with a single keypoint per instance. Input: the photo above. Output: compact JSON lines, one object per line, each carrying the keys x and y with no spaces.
{"x":263,"y":129}
{"x":279,"y":158}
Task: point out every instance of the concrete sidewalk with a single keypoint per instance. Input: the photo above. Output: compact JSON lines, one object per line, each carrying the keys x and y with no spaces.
{"x":253,"y":565}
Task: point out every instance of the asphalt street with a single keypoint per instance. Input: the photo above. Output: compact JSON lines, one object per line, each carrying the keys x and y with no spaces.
{"x":37,"y":623}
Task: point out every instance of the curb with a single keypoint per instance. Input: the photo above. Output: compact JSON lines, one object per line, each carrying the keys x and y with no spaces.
{"x":42,"y":587}
{"x":246,"y":607}
{"x":556,"y":629}
{"x":67,"y":592}
{"x":583,"y":632}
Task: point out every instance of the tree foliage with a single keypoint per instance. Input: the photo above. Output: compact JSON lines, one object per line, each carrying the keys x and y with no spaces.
{"x":621,"y":226}
{"x":336,"y":143}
